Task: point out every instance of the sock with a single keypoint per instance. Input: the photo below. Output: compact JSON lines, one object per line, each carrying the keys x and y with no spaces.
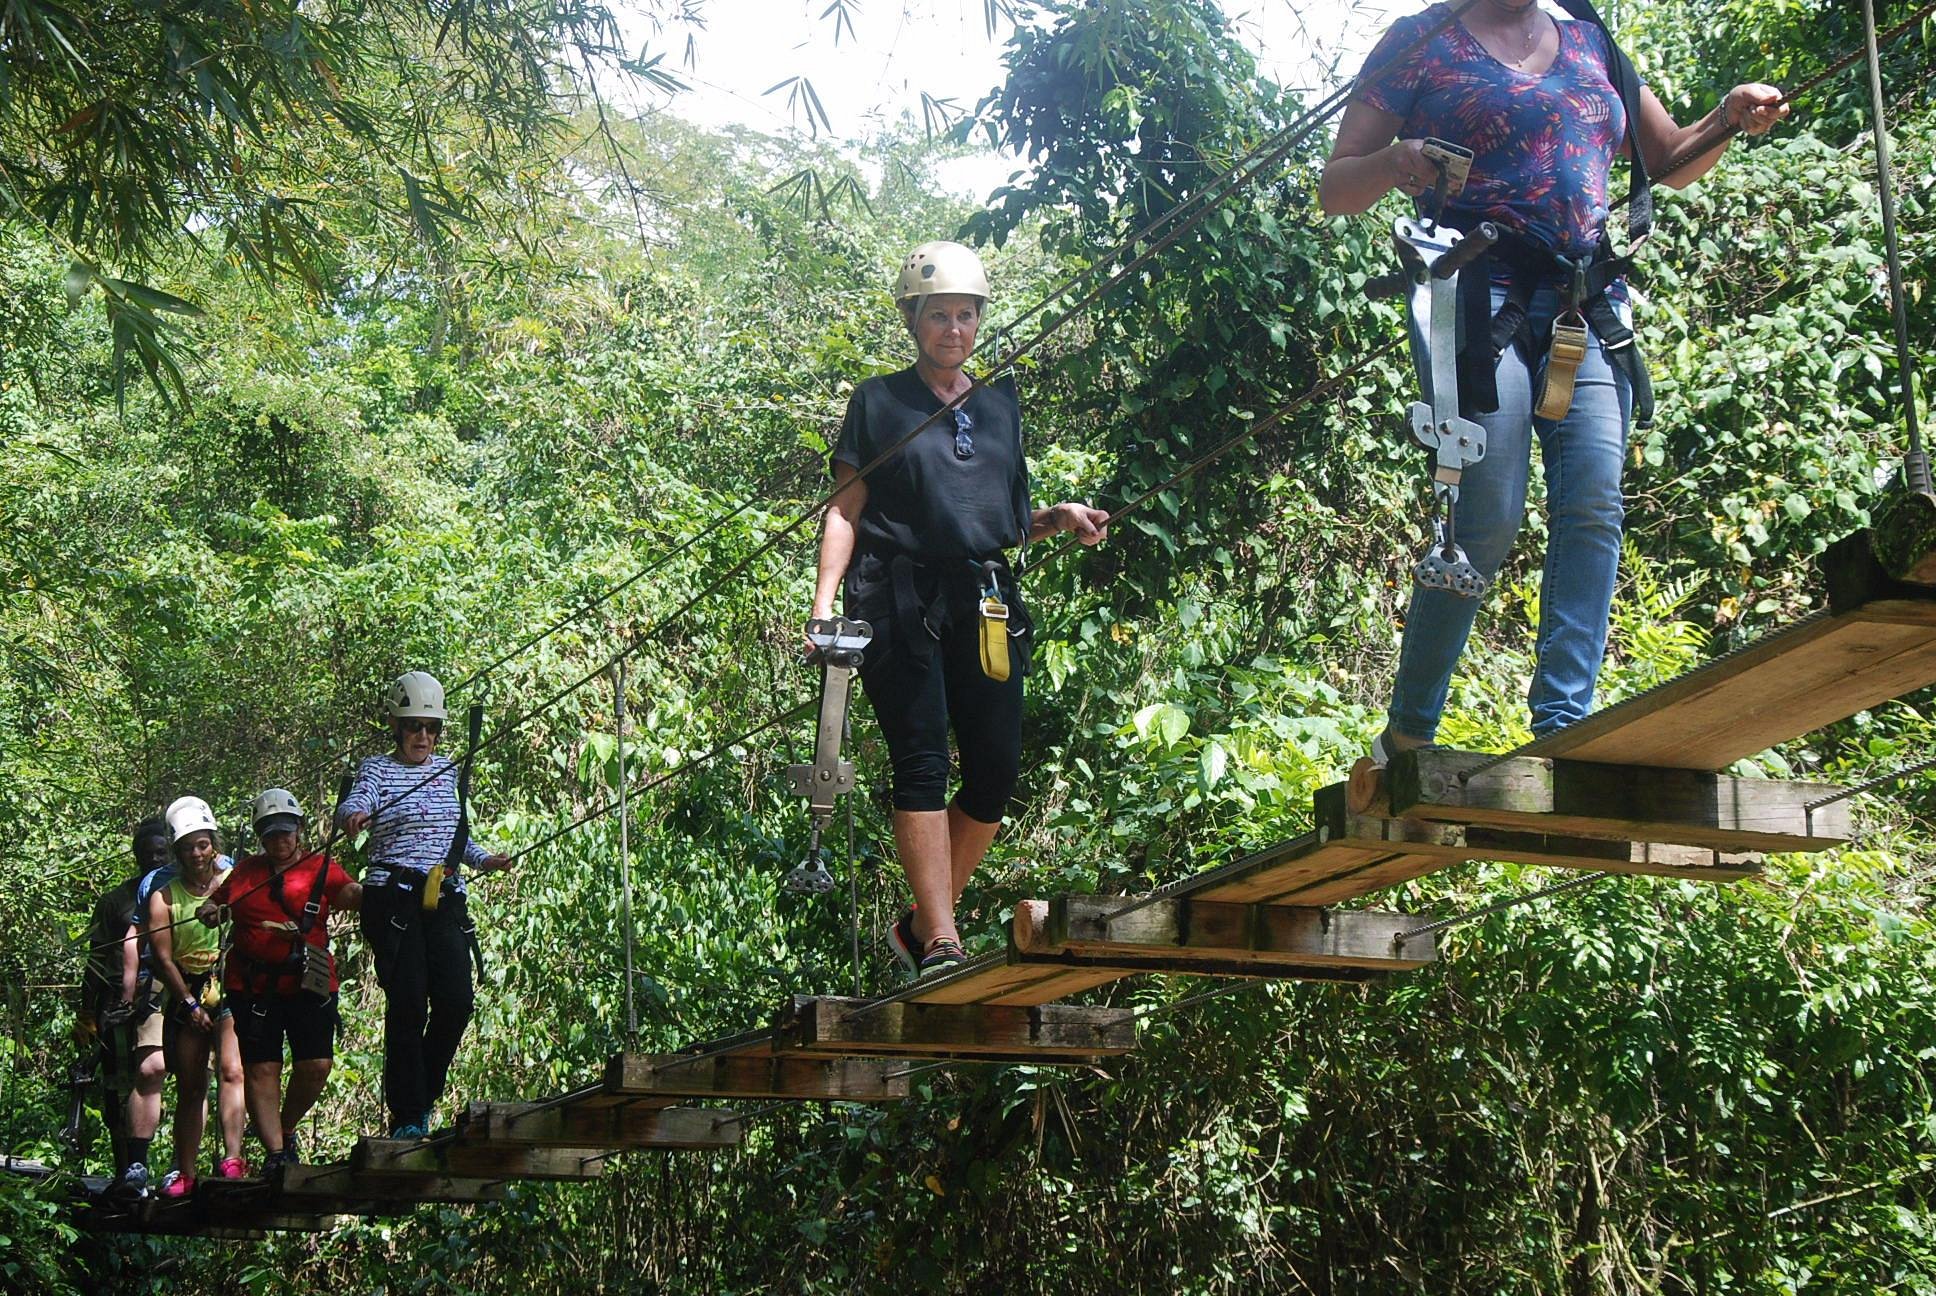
{"x":138,"y":1151}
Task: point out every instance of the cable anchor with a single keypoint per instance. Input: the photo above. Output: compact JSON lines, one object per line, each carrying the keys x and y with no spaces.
{"x":837,"y":647}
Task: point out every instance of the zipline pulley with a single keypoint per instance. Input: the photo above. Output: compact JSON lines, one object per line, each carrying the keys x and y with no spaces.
{"x":837,"y":647}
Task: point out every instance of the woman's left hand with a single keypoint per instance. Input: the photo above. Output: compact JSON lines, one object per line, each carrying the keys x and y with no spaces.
{"x":1753,"y":108}
{"x":1091,"y":525}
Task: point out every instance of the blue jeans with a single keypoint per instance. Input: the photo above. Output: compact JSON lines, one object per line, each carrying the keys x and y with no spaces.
{"x":1583,"y":454}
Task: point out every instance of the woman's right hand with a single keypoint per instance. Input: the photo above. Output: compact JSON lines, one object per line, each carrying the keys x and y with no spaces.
{"x":355,"y":823}
{"x":1412,"y":173}
{"x":819,"y":613}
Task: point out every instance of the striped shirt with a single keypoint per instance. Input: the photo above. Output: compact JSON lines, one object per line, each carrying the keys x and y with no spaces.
{"x":414,"y":809}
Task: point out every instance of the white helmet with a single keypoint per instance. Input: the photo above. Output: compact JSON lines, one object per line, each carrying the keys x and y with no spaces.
{"x":188,"y":815}
{"x":941,"y":267}
{"x":276,"y":810}
{"x":417,"y":693}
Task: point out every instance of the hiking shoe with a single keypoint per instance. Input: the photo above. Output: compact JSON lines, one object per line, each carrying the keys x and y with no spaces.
{"x":943,"y":955}
{"x":411,"y":1129}
{"x":901,"y":939}
{"x":133,"y":1180}
{"x":231,"y":1168}
{"x":291,"y":1154}
{"x":175,"y":1184}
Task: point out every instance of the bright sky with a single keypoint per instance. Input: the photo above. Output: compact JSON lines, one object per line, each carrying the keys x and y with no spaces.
{"x":873,"y":65}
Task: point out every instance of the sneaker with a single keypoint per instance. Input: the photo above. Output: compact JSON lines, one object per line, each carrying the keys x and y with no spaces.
{"x":415,"y":1129}
{"x":175,"y":1184}
{"x":231,"y":1168}
{"x":133,"y":1180}
{"x":901,"y":939}
{"x":943,"y":955}
{"x":291,"y":1155}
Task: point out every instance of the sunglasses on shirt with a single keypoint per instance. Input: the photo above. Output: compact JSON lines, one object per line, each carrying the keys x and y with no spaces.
{"x":964,"y":443}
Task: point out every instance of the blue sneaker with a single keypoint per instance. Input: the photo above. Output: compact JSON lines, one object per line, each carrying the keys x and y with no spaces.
{"x":415,"y":1129}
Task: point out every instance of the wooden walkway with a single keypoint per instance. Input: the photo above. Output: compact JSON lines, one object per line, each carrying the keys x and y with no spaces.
{"x":1636,"y":788}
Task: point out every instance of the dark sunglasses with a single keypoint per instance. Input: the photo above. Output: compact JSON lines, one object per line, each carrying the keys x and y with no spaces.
{"x":418,"y":725}
{"x":964,"y":443}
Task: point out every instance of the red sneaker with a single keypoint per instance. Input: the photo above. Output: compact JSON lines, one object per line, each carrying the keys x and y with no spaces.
{"x":177,"y":1184}
{"x":232,"y":1168}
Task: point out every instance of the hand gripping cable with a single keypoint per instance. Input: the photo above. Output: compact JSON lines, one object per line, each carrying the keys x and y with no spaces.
{"x":837,"y":646}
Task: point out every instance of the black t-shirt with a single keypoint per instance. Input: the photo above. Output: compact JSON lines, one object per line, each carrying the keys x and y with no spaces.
{"x":927,"y":501}
{"x":112,"y":914}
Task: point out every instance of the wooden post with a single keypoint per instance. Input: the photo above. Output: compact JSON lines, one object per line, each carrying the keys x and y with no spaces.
{"x":1624,"y":802}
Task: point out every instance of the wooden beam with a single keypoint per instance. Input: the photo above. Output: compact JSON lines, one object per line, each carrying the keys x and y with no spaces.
{"x":1218,"y":938}
{"x":753,"y":1075}
{"x":897,"y":1028}
{"x":1623,"y":802}
{"x":1452,"y":843}
{"x":997,"y":980}
{"x":374,"y":1158}
{"x":340,"y":1187}
{"x":1876,"y":641}
{"x":1314,"y":869}
{"x":576,"y":1125}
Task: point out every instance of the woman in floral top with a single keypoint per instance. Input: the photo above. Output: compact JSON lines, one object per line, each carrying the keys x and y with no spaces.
{"x":1534,"y":99}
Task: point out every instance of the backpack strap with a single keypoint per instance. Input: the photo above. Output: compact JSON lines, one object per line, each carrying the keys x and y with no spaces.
{"x":1626,"y":83}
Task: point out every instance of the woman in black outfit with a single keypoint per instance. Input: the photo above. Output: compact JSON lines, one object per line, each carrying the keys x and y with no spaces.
{"x":919,"y":542}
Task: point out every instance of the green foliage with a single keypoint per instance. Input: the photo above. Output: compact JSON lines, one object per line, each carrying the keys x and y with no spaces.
{"x":473,"y":427}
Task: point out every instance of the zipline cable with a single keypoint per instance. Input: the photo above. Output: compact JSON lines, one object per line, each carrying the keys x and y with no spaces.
{"x":1915,"y":464}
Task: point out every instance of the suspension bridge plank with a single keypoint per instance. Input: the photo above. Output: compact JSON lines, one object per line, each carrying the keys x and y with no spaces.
{"x":1315,"y":869}
{"x":1876,"y":641}
{"x":1212,"y":937}
{"x":376,"y":1157}
{"x":901,"y":1028}
{"x":575,"y":1125}
{"x":753,"y":1075}
{"x":1624,"y":802}
{"x":339,"y":1187}
{"x":1454,"y":843}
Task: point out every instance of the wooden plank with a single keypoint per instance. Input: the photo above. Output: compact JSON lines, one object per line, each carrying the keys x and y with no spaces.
{"x":898,"y":1028}
{"x":994,"y":979}
{"x":1209,"y":936}
{"x":575,"y":1125}
{"x":1624,"y":802}
{"x":753,"y":1075}
{"x":1877,"y":641}
{"x":1452,"y":843}
{"x":339,"y":1187}
{"x":1310,"y":870}
{"x":374,"y":1158}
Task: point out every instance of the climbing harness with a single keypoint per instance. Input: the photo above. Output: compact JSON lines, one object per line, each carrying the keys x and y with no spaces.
{"x":838,"y":644}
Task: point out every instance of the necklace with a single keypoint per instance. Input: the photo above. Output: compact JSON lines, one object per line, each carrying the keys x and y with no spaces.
{"x":1528,"y":31}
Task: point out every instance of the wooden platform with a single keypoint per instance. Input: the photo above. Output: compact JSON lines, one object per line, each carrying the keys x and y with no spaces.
{"x":984,"y":1032}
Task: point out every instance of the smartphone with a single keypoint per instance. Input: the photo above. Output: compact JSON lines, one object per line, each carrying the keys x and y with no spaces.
{"x":1457,"y":161}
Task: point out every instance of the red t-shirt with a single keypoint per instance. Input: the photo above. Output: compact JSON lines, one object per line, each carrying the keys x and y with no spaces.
{"x":265,"y":914}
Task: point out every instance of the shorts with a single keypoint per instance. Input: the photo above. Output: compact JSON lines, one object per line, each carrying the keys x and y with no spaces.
{"x":263,"y":1022}
{"x":146,"y":1031}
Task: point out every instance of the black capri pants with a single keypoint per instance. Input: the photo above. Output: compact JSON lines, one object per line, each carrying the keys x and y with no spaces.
{"x":921,"y":690}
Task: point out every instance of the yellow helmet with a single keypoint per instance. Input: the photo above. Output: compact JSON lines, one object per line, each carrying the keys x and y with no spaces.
{"x":941,"y":267}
